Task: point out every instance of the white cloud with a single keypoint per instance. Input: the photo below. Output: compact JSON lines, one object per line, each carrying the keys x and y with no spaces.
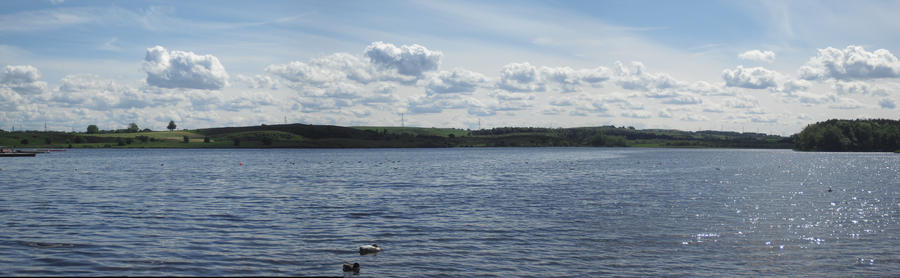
{"x":338,"y":67}
{"x":455,"y":81}
{"x":759,"y":56}
{"x":636,"y":77}
{"x":9,"y":99}
{"x":854,"y":62}
{"x":524,"y":77}
{"x":683,"y":99}
{"x":23,"y":79}
{"x":411,"y":60}
{"x":707,"y":89}
{"x":520,"y":77}
{"x":887,"y":103}
{"x":713,"y":108}
{"x":857,"y":88}
{"x":183,"y":70}
{"x":846,"y":103}
{"x":637,"y":114}
{"x":795,"y":85}
{"x":742,"y":102}
{"x":257,"y":81}
{"x":750,"y":78}
{"x":811,"y":98}
{"x":96,"y":93}
{"x":248,"y":101}
{"x":693,"y":118}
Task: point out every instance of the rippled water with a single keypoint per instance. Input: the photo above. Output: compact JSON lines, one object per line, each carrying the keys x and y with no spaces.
{"x":460,"y":212}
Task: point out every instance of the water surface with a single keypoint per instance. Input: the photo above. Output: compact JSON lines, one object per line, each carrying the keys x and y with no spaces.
{"x":460,"y":212}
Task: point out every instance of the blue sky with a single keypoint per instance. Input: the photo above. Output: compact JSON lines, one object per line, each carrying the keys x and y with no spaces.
{"x":768,"y":66}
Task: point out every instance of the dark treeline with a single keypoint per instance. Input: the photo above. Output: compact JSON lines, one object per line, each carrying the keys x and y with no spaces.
{"x":326,"y":136}
{"x":877,"y":135}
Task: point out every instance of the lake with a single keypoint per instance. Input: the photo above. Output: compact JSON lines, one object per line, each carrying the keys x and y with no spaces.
{"x":483,"y":212}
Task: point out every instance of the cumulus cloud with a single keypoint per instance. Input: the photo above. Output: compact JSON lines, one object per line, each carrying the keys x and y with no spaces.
{"x":96,"y":93}
{"x":570,"y":79}
{"x":812,"y":99}
{"x":693,"y":118}
{"x":524,"y":77}
{"x":750,"y":78}
{"x":792,"y":86}
{"x":858,"y":88}
{"x":520,"y":77}
{"x":887,"y":103}
{"x":742,"y":102}
{"x":257,"y":81}
{"x":338,"y":67}
{"x":683,"y":99}
{"x":411,"y":60}
{"x":846,"y":103}
{"x":635,"y":77}
{"x":183,"y":70}
{"x":853,"y":62}
{"x":637,"y":114}
{"x":757,"y":55}
{"x":9,"y":99}
{"x":248,"y":101}
{"x":713,"y":108}
{"x":455,"y":81}
{"x":23,"y":79}
{"x":707,"y":89}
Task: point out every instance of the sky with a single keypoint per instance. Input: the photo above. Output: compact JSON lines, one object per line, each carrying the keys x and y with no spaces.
{"x":754,"y":66}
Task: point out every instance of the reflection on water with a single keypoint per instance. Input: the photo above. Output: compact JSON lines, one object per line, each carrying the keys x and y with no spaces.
{"x":462,"y":212}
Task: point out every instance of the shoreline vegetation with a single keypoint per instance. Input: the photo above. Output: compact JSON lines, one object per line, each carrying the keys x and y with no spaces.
{"x":833,"y":135}
{"x":869,"y":135}
{"x":327,"y":136}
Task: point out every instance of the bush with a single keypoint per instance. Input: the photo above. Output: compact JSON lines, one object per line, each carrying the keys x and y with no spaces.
{"x":206,"y":139}
{"x":237,"y":142}
{"x":187,"y":139}
{"x":24,"y":141}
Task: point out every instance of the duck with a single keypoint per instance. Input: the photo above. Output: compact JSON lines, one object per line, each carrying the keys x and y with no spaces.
{"x":366,"y":249}
{"x":351,"y":267}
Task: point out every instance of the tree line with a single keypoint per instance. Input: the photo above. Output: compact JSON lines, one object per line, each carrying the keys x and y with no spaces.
{"x":132,"y":128}
{"x":869,"y":135}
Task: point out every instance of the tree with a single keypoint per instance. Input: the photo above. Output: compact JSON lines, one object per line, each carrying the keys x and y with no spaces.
{"x":93,"y":129}
{"x":171,"y":126}
{"x":187,"y":139}
{"x":206,"y":139}
{"x":133,"y":127}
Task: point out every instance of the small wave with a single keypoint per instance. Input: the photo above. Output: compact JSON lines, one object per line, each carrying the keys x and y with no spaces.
{"x":50,"y":244}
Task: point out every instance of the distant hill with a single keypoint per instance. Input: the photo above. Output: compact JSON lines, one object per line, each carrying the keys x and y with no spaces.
{"x":327,"y":136}
{"x":876,"y":135}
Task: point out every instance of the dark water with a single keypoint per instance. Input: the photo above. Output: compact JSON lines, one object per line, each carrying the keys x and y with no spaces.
{"x":456,"y":212}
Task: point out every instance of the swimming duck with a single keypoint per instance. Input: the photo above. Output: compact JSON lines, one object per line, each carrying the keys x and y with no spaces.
{"x":351,"y":267}
{"x":366,"y":249}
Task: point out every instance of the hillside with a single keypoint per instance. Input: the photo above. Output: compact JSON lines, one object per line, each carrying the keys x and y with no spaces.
{"x":326,"y":136}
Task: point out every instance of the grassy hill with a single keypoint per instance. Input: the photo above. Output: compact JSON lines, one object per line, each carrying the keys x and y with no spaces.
{"x":326,"y":136}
